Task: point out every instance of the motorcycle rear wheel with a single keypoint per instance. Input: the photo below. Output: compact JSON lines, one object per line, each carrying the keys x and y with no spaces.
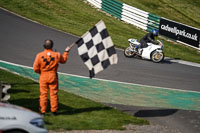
{"x":157,"y":56}
{"x":128,"y":52}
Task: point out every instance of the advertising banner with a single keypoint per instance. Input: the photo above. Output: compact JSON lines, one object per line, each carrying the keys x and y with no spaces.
{"x":180,"y":32}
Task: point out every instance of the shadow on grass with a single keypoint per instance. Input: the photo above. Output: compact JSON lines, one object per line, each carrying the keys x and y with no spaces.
{"x":27,"y":84}
{"x":66,"y":110}
{"x":33,"y":104}
{"x":14,"y":91}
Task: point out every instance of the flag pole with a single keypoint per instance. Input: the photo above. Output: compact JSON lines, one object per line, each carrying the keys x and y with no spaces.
{"x":72,"y":45}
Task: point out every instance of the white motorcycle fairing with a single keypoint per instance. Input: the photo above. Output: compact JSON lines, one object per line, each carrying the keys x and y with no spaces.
{"x":146,"y":53}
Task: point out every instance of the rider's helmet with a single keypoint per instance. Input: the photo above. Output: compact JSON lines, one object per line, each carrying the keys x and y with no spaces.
{"x":155,"y":32}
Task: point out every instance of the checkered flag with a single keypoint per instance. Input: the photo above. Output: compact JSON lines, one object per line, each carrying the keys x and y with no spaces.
{"x":96,"y":49}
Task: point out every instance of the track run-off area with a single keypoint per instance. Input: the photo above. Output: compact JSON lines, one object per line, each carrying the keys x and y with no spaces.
{"x":112,"y":92}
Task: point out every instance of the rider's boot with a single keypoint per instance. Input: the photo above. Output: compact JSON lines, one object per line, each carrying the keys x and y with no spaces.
{"x":140,"y":51}
{"x":136,"y":48}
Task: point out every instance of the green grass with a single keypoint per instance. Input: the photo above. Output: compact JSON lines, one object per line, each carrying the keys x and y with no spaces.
{"x":77,"y":17}
{"x":183,"y":11}
{"x":75,"y":113}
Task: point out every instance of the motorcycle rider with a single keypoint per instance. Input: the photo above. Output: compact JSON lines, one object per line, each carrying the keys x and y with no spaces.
{"x":148,"y":38}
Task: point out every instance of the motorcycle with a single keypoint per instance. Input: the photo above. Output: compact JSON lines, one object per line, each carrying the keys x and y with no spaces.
{"x":152,"y":52}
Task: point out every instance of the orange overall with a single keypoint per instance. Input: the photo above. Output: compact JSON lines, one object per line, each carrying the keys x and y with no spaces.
{"x":46,"y":64}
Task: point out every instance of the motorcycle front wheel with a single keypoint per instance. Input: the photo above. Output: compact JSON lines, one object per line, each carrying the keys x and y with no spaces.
{"x":157,"y":56}
{"x":128,"y":52}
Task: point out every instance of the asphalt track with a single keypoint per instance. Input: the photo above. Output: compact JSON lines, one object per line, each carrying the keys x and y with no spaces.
{"x":21,"y":40}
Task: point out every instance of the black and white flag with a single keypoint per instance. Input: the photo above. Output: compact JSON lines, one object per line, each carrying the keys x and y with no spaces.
{"x":96,"y":49}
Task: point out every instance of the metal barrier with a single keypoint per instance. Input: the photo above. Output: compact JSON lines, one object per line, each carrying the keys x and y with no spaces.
{"x":129,"y":14}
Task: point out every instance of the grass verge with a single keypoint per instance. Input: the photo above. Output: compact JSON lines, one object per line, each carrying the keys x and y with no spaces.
{"x":75,"y":113}
{"x":77,"y":17}
{"x":177,"y":10}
